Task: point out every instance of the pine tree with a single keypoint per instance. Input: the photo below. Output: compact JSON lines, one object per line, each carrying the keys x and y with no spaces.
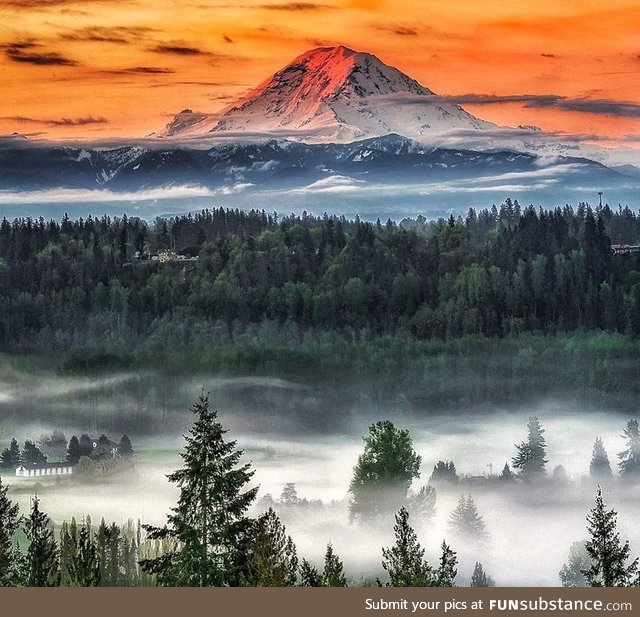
{"x":73,"y":452}
{"x":530,"y":459}
{"x":31,"y":454}
{"x":424,"y":502}
{"x":289,"y":495}
{"x":86,"y":445}
{"x":333,"y":573}
{"x":466,"y":521}
{"x":125,"y":450}
{"x":68,"y":552}
{"x":309,"y":575}
{"x":608,"y":556}
{"x":384,"y":472}
{"x":42,"y":554}
{"x":572,"y":572}
{"x":113,"y":575}
{"x":405,"y":561}
{"x":444,"y":472}
{"x":89,"y":566}
{"x":11,"y":456}
{"x":272,"y":555}
{"x":600,"y":467}
{"x":630,"y":457}
{"x":507,"y":475}
{"x":10,"y":557}
{"x":446,"y":572}
{"x":80,"y":566}
{"x":209,"y":523}
{"x":479,"y":578}
{"x":101,"y":541}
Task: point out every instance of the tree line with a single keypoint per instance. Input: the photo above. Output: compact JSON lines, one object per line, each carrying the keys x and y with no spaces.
{"x":496,"y":272}
{"x":55,"y":446}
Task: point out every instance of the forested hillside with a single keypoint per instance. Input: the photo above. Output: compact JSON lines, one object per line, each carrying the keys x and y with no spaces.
{"x":495,"y":273}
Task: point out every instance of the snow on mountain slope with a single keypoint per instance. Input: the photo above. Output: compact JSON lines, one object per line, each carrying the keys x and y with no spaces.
{"x":333,"y":94}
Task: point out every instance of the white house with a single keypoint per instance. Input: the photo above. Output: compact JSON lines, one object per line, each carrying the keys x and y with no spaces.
{"x":44,"y":469}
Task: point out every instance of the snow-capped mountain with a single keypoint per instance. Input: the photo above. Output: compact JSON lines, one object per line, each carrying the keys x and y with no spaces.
{"x":333,"y":94}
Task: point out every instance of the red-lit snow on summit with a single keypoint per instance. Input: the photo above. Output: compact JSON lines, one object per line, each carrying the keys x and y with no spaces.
{"x":333,"y":94}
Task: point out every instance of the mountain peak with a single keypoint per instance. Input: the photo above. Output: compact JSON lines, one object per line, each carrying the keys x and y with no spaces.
{"x":333,"y":93}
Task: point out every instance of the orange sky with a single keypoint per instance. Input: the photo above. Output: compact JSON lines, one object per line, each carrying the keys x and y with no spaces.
{"x":100,"y":68}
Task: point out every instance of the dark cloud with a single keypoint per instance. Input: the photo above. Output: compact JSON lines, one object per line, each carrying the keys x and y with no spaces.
{"x":548,"y":55}
{"x":606,"y":107}
{"x":19,"y":44}
{"x":117,"y":34}
{"x":58,"y":121}
{"x":179,"y":50}
{"x":50,"y":4}
{"x":227,"y":39}
{"x":215,"y":84}
{"x":403,"y":31}
{"x":24,"y":53}
{"x":295,"y":6}
{"x":142,"y":70}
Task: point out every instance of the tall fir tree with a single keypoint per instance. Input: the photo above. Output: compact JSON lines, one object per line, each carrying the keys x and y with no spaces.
{"x":466,"y":521}
{"x":73,"y":451}
{"x":530,"y":457}
{"x":42,"y":564}
{"x":209,"y":524}
{"x":309,"y":575}
{"x":87,"y":567}
{"x":479,"y":578}
{"x":600,"y":467}
{"x":630,"y":457}
{"x":333,"y":572}
{"x":125,"y":450}
{"x":572,"y":572}
{"x":446,"y":572}
{"x":424,"y":502}
{"x":68,"y":552}
{"x":10,"y":556}
{"x":404,"y":561}
{"x":607,"y":554}
{"x":272,"y":559}
{"x":113,"y":575}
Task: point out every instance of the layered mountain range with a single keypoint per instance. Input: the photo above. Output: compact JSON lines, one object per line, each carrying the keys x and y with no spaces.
{"x":390,"y":160}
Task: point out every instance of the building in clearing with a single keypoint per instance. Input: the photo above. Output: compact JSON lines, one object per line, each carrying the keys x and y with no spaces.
{"x":44,"y":469}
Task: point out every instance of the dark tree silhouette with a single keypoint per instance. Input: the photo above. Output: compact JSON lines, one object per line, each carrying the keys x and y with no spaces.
{"x":530,"y":457}
{"x":41,"y":562}
{"x":272,"y":558}
{"x":599,"y":467}
{"x":333,"y":572}
{"x":11,"y":456}
{"x":630,"y":457}
{"x":608,"y":555}
{"x":404,"y":561}
{"x":10,"y":556}
{"x":209,"y":524}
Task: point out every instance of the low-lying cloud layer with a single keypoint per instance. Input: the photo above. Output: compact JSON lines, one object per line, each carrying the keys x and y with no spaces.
{"x":85,"y":196}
